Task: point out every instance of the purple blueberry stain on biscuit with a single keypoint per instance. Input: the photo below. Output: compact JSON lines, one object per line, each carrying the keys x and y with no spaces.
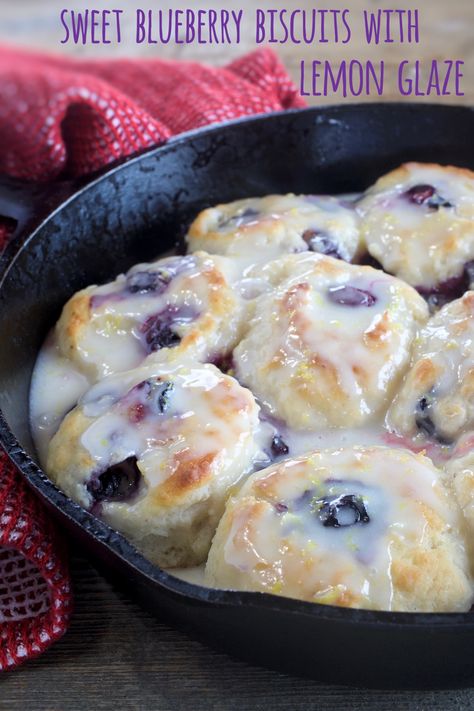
{"x":450,"y":289}
{"x":242,"y":217}
{"x":224,"y":362}
{"x":347,"y":295}
{"x":149,"y":398}
{"x":160,"y":330}
{"x":137,"y":413}
{"x":156,"y":281}
{"x":426,"y":195}
{"x":159,"y":334}
{"x":419,"y":194}
{"x":148,"y":282}
{"x":319,"y":242}
{"x":99,"y":300}
{"x":153,"y":282}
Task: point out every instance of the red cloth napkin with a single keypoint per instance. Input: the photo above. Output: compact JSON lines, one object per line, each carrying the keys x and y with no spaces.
{"x":63,"y":117}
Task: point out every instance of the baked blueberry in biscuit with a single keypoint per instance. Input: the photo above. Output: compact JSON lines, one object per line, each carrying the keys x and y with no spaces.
{"x":154,"y":451}
{"x":366,"y":527}
{"x":436,"y":400}
{"x":451,"y":289}
{"x":329,"y":345}
{"x":261,"y":229}
{"x":174,"y":307}
{"x":418,"y":222}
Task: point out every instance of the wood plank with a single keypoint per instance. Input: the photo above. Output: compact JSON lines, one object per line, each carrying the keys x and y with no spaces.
{"x":116,"y":656}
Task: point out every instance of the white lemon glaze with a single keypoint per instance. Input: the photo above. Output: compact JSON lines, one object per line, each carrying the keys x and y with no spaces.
{"x":318,"y":361}
{"x":166,"y":309}
{"x":273,"y":538}
{"x":261,"y":229}
{"x":423,"y":245}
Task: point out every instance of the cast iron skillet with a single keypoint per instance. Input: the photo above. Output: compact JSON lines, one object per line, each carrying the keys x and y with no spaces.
{"x":132,"y":213}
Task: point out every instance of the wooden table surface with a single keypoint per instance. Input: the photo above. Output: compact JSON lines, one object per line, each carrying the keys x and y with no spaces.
{"x":116,"y":656}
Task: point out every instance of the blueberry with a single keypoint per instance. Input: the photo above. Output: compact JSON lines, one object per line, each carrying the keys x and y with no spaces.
{"x":249,"y":214}
{"x":118,"y":483}
{"x":435,"y":301}
{"x":159,"y":329}
{"x":145,"y":282}
{"x":425,"y":424}
{"x":150,"y":397}
{"x":450,"y":289}
{"x":350,"y":296}
{"x":426,"y":195}
{"x":241,"y":218}
{"x":369,"y":261}
{"x":159,"y":334}
{"x":279,"y":447}
{"x":342,"y":511}
{"x":422,"y":418}
{"x":420,"y":193}
{"x":437,"y":201}
{"x":319,"y":242}
{"x":164,"y":396}
{"x":469,"y":272}
{"x":224,"y":362}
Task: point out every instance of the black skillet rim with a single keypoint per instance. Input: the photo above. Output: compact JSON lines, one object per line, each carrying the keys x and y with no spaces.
{"x":115,"y":542}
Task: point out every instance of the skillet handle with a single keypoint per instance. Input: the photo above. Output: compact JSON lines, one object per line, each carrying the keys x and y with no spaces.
{"x":22,"y":204}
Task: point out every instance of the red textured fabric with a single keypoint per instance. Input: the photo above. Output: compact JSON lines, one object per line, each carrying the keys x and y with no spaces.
{"x":63,"y":117}
{"x":35,"y":593}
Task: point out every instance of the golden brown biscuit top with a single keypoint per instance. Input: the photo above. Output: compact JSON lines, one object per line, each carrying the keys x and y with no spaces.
{"x":181,"y":425}
{"x":340,"y":527}
{"x":333,"y":335}
{"x":418,"y":221}
{"x":436,"y":400}
{"x":265,"y":228}
{"x":179,"y":304}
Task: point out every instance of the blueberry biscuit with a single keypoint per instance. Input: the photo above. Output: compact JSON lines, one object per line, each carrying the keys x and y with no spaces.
{"x":265,"y":228}
{"x":360,"y":527}
{"x":436,"y":401}
{"x":176,"y":306}
{"x":328,"y":346}
{"x":154,"y":451}
{"x":418,"y":222}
